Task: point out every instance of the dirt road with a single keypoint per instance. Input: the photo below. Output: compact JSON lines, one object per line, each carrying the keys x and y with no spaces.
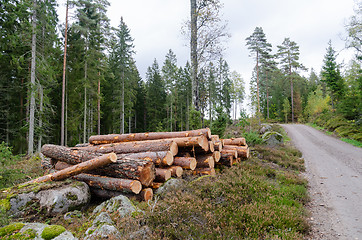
{"x":334,"y":172}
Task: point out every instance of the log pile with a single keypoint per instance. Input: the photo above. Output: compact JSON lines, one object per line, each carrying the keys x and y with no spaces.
{"x":135,"y":164}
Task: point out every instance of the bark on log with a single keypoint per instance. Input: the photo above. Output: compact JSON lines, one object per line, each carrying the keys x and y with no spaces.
{"x":234,"y":141}
{"x":216,"y":155}
{"x":188,"y":142}
{"x":243,"y":151}
{"x":204,"y":171}
{"x":156,"y":185}
{"x":114,"y":138}
{"x":115,"y":184}
{"x":185,"y":162}
{"x":205,"y":161}
{"x":134,"y":147}
{"x":225,"y":153}
{"x":162,"y":175}
{"x":176,"y":171}
{"x":145,"y":195}
{"x":228,"y":160}
{"x":141,"y":170}
{"x":163,"y":158}
{"x":77,"y":169}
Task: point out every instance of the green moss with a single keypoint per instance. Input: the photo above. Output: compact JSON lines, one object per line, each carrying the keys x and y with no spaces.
{"x":5,"y":204}
{"x":10,"y":229}
{"x":71,"y":196}
{"x":52,"y":231}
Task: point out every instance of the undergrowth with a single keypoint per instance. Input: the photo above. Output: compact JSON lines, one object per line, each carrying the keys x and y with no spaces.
{"x":256,"y":199}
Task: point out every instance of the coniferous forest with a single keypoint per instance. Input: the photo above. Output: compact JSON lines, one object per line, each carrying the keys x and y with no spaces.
{"x":61,"y":83}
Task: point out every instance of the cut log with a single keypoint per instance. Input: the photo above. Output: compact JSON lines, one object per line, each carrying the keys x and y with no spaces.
{"x":105,"y":193}
{"x":228,"y":160}
{"x":218,"y":145}
{"x":225,"y":153}
{"x":185,"y":162}
{"x":134,"y":147}
{"x":156,"y":185}
{"x":162,"y":175}
{"x":164,"y":158}
{"x":234,"y":141}
{"x":115,"y":184}
{"x":176,"y":171}
{"x":141,"y":170}
{"x":114,"y":138}
{"x":188,"y":142}
{"x":146,"y":194}
{"x":216,"y":155}
{"x":204,"y":171}
{"x":215,"y":138}
{"x":205,"y":161}
{"x":211,"y":146}
{"x":77,"y":169}
{"x":243,"y":151}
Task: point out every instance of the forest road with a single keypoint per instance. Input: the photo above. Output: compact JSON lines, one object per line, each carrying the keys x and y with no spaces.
{"x":334,"y":172}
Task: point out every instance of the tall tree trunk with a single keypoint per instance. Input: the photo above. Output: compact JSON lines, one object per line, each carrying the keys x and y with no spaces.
{"x":85,"y":104}
{"x":267,"y":95}
{"x":32,"y":83}
{"x":129,"y":122}
{"x":41,"y":94}
{"x":291,"y":91}
{"x":122,"y":106}
{"x":257,"y":81}
{"x":194,"y":60}
{"x":99,"y":105}
{"x":62,"y":131}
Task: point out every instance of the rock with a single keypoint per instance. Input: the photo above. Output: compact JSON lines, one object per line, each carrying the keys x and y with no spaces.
{"x":37,"y":231}
{"x":143,"y":233}
{"x":104,"y":232}
{"x":272,"y":138}
{"x":265,"y":128}
{"x":171,"y":184}
{"x":73,"y":214}
{"x":53,"y":199}
{"x":63,"y":199}
{"x":103,"y":218}
{"x":120,"y":204}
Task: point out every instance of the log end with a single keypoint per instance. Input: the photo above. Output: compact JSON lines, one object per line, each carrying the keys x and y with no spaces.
{"x":193,"y":163}
{"x":147,"y":174}
{"x":177,"y":171}
{"x":136,"y":187}
{"x":113,"y":157}
{"x":174,"y":148}
{"x":168,"y":159}
{"x":211,"y":162}
{"x":216,"y":156}
{"x":204,"y":143}
{"x":147,"y":194}
{"x":208,"y":133}
{"x":211,"y":146}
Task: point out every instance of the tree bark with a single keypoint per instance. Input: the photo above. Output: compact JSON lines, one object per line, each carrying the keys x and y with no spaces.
{"x":227,"y":160}
{"x":225,"y":153}
{"x":162,"y":158}
{"x":141,"y":170}
{"x":62,"y":131}
{"x":200,"y":141}
{"x":243,"y":151}
{"x":162,"y":175}
{"x":204,"y":171}
{"x":134,"y":147}
{"x":32,"y":83}
{"x":234,"y":141}
{"x":77,"y":169}
{"x":115,"y":138}
{"x":205,"y":161}
{"x":185,"y":162}
{"x":193,"y":53}
{"x":115,"y":184}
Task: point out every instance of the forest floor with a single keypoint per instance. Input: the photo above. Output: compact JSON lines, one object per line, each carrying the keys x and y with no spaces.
{"x":334,"y":173}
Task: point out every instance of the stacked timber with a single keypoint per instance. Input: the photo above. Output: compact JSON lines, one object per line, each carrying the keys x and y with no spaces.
{"x":135,"y":164}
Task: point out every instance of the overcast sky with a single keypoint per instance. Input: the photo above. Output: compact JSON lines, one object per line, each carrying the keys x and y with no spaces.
{"x":155,"y":26}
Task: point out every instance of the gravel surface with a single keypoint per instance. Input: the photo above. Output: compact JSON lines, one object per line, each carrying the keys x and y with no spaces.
{"x":334,"y":172}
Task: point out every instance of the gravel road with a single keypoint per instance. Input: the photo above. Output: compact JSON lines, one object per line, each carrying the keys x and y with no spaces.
{"x":334,"y":172}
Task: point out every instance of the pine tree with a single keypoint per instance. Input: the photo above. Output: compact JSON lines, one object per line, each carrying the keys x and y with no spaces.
{"x":259,"y":48}
{"x":331,"y":75}
{"x":288,"y":54}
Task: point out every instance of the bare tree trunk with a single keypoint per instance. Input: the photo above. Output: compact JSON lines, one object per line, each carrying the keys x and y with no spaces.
{"x":62,"y":131}
{"x":291,"y":91}
{"x":85,"y":104}
{"x":257,"y":80}
{"x":267,"y":95}
{"x":32,"y":83}
{"x":40,"y":116}
{"x":194,"y":60}
{"x":99,"y":105}
{"x":129,"y":122}
{"x":122,"y":106}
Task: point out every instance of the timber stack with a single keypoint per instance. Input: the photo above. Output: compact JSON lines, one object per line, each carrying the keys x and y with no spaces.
{"x":138,"y":163}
